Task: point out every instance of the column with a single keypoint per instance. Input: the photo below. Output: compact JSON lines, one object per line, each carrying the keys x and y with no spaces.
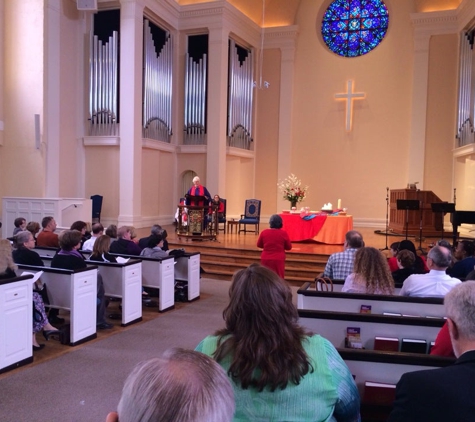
{"x":217,"y":110}
{"x":130,"y":156}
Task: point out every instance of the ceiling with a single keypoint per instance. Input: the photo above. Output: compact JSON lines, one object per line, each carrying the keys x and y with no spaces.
{"x":283,"y":12}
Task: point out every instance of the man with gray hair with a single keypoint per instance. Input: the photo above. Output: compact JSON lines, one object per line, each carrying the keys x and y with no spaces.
{"x":340,"y":264}
{"x":181,"y":386}
{"x":446,"y":394}
{"x":436,"y":283}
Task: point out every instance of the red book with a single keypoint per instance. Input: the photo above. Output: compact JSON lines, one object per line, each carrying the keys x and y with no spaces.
{"x":379,"y":393}
{"x":388,"y":344}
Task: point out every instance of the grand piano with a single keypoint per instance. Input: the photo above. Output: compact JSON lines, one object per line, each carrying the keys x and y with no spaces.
{"x":461,"y":217}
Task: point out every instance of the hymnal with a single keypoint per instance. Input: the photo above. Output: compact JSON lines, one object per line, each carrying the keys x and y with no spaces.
{"x":379,"y":393}
{"x":353,"y":338}
{"x":365,"y":309}
{"x":387,"y":344}
{"x":410,"y":345}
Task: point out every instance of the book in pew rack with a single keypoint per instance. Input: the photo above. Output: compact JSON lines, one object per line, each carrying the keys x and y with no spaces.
{"x":353,"y":338}
{"x":379,"y":393}
{"x":365,"y":309}
{"x":387,"y":344}
{"x":411,"y":345}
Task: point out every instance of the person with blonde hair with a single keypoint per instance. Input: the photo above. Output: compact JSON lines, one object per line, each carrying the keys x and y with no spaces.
{"x":370,"y":273}
{"x":279,"y":370}
{"x":100,"y":250}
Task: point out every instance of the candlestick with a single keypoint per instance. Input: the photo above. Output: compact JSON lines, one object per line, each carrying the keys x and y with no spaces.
{"x":339,"y":204}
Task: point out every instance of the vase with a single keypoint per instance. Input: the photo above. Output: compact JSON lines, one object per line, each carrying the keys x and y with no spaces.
{"x":293,"y":204}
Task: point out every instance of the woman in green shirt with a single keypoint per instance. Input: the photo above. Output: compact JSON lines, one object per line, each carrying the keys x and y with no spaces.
{"x":279,"y":371}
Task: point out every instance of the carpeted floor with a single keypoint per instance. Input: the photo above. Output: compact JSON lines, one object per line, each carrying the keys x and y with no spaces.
{"x":85,"y":383}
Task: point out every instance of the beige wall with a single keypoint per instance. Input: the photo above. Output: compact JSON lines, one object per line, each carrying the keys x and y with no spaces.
{"x":355,"y":166}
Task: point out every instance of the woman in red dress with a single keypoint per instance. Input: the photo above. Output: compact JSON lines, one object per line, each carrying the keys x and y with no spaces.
{"x":274,"y":242}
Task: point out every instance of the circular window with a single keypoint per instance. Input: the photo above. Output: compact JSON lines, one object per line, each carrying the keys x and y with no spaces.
{"x":352,"y":28}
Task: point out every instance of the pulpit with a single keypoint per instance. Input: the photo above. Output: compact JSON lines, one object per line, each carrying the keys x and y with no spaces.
{"x":432,"y":222}
{"x":193,"y":219}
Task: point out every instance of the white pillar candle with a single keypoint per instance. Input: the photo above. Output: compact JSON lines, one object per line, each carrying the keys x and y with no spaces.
{"x":339,"y":204}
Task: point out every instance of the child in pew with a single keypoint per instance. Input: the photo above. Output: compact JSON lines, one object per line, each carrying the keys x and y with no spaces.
{"x":279,"y":371}
{"x":100,"y":250}
{"x":370,"y":274}
{"x":392,"y":261}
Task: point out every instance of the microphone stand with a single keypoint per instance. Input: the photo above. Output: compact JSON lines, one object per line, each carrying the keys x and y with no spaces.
{"x":386,"y":248}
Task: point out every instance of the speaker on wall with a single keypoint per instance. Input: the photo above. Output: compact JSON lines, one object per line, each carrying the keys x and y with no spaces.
{"x":87,"y":4}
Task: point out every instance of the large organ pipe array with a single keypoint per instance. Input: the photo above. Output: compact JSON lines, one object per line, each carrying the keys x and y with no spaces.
{"x":157,"y":88}
{"x":103,"y":65}
{"x":466,"y":113}
{"x":195,"y":100}
{"x":240,"y":99}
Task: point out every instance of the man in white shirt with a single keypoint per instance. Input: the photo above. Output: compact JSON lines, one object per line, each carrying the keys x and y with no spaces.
{"x":97,"y":230}
{"x":436,"y":283}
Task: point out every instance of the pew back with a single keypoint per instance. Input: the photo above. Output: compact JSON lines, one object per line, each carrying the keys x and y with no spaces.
{"x":351,"y":302}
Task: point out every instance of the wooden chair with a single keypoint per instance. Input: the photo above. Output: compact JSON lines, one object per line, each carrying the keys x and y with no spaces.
{"x":251,"y":216}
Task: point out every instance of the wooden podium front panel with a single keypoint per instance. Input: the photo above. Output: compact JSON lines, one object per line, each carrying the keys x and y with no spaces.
{"x":432,"y":223}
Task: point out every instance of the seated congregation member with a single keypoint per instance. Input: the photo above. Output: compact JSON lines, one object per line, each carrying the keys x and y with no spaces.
{"x":24,"y":255}
{"x":97,"y":231}
{"x":70,"y":259}
{"x":370,"y":274}
{"x":34,"y":228}
{"x":274,"y":242}
{"x":405,"y":261}
{"x":279,"y":371}
{"x":180,"y":386}
{"x":340,"y":264}
{"x":154,"y":248}
{"x":20,"y":225}
{"x":436,"y":283}
{"x":465,"y":260}
{"x":156,"y":229}
{"x":392,"y":260}
{"x":111,"y":231}
{"x":420,"y":264}
{"x":7,"y":265}
{"x":81,"y":226}
{"x":124,"y":244}
{"x":445,"y":394}
{"x":47,"y":237}
{"x":100,"y":251}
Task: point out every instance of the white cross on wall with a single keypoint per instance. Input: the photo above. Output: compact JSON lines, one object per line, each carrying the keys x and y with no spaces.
{"x":349,"y":96}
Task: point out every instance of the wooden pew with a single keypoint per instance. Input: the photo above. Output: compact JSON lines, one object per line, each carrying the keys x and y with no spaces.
{"x":73,"y":290}
{"x":333,"y":325}
{"x":387,"y":368}
{"x":16,"y":326}
{"x":187,"y":269}
{"x":123,"y":281}
{"x":338,"y":285}
{"x":158,"y":274}
{"x":45,"y":251}
{"x":351,"y":302}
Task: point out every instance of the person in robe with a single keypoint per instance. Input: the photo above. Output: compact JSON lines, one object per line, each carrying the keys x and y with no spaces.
{"x":197,"y":190}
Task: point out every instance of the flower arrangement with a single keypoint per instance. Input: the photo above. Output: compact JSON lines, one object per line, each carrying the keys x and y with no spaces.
{"x":292,"y":189}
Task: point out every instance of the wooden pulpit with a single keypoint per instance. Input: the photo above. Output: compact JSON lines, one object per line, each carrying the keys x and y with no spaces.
{"x":432,"y":222}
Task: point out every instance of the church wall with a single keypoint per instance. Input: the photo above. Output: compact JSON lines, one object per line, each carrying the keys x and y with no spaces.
{"x":157,"y":186}
{"x":441,"y":115}
{"x":267,"y":118}
{"x":195,"y":162}
{"x":23,"y":98}
{"x":102,"y":178}
{"x":355,"y":166}
{"x":239,"y":184}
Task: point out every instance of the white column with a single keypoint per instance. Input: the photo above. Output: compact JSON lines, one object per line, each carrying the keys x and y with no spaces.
{"x":217,"y":110}
{"x":51,"y":118}
{"x":130,"y":156}
{"x":419,"y":109}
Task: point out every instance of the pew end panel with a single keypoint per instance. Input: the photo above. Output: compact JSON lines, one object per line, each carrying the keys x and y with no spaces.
{"x":75,"y":291}
{"x":16,"y":315}
{"x":160,"y":274}
{"x":187,"y":268}
{"x":123,"y":281}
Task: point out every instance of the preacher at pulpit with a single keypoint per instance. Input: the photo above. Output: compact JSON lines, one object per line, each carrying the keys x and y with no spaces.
{"x":197,"y":190}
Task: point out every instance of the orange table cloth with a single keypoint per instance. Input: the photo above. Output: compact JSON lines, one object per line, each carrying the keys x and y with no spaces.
{"x":324,"y":229}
